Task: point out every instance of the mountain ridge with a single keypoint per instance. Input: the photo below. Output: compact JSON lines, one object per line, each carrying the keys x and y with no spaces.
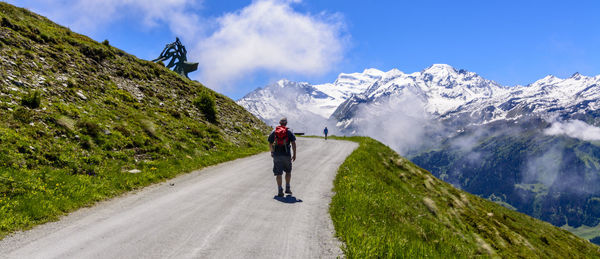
{"x":445,"y":90}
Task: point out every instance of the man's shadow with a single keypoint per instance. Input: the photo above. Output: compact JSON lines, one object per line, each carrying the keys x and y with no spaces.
{"x":287,"y":199}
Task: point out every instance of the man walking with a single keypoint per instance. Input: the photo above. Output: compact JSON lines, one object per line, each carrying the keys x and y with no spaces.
{"x":279,"y":143}
{"x":325,"y":131}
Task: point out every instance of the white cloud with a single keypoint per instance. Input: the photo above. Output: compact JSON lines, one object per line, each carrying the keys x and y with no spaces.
{"x":544,"y":168}
{"x":575,"y":129}
{"x":398,"y":121}
{"x":269,"y":35}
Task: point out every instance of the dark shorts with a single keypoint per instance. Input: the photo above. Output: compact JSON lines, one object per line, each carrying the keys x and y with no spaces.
{"x":281,"y":164}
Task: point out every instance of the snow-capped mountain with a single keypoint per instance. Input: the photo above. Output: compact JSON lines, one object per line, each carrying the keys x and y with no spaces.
{"x":307,"y":106}
{"x":458,"y":97}
{"x":439,"y":89}
{"x":576,"y":97}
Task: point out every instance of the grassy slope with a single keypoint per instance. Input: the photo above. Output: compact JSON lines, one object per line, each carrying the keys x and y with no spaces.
{"x":385,"y":206}
{"x":101,"y":113}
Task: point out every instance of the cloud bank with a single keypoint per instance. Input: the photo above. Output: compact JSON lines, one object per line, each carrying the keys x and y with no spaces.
{"x":267,"y":36}
{"x":398,"y":121}
{"x":575,"y":129}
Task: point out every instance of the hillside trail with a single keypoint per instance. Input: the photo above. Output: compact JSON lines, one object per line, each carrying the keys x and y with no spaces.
{"x":226,"y":211}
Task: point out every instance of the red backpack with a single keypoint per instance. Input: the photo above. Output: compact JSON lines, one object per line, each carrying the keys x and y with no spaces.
{"x":281,"y":135}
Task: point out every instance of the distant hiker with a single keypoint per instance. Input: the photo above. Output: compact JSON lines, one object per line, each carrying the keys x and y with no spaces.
{"x":325,"y":131}
{"x":279,"y":143}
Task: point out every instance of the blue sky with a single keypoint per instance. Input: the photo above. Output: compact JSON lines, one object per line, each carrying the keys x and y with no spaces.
{"x":242,"y":45}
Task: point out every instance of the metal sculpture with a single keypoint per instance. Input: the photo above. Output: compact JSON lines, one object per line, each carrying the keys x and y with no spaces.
{"x":177,"y":53}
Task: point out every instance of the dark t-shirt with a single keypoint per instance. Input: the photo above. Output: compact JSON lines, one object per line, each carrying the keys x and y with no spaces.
{"x":282,"y":150}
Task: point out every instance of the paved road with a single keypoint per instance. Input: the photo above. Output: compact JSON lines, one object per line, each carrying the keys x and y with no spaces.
{"x":225,"y":211}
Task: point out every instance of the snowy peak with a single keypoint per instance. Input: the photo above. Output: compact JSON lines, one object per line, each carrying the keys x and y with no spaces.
{"x":440,"y":74}
{"x":448,"y":76}
{"x":575,"y":79}
{"x":283,"y":83}
{"x":373,"y":72}
{"x":367,"y":76}
{"x":347,"y":85}
{"x":394,"y":72}
{"x":549,"y":79}
{"x":440,"y":69}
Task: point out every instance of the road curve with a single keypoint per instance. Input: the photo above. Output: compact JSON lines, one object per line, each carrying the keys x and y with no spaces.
{"x":225,"y":211}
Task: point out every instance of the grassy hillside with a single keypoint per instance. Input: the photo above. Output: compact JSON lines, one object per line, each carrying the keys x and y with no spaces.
{"x":385,"y":206}
{"x":83,"y":121}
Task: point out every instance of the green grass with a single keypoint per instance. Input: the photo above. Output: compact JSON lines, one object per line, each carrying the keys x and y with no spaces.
{"x":31,"y":197}
{"x":77,"y":115}
{"x":387,"y":207}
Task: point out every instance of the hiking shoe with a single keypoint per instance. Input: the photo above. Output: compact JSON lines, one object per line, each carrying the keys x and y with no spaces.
{"x":287,"y":190}
{"x":280,"y":193}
